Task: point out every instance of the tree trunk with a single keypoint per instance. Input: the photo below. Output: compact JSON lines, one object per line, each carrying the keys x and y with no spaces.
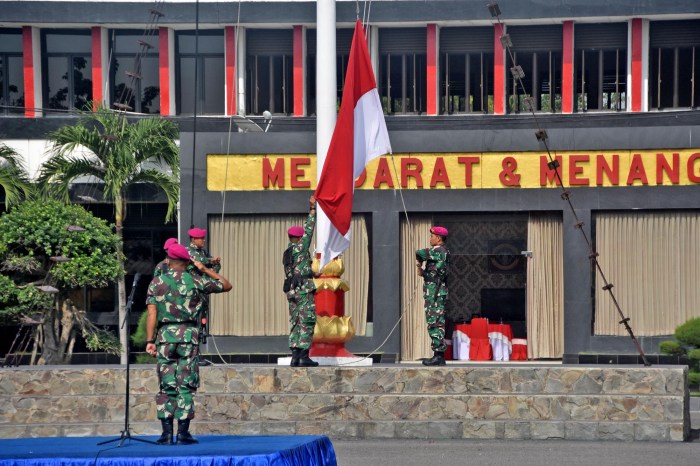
{"x":49,"y":345}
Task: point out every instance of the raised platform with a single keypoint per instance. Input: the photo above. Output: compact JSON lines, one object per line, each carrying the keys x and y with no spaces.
{"x":485,"y":401}
{"x":212,"y":449}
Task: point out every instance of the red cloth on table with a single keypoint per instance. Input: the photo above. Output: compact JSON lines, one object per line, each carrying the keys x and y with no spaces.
{"x":480,"y":346}
{"x":519,"y":350}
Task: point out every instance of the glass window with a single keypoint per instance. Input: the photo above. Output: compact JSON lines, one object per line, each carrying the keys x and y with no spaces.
{"x":343,"y":41}
{"x":269,"y":68}
{"x":402,"y":70}
{"x":600,"y":66}
{"x":466,"y":70}
{"x":134,"y":69}
{"x":209,"y":65}
{"x":11,"y":72}
{"x":68,"y":65}
{"x":538,"y":52}
{"x":674,"y":59}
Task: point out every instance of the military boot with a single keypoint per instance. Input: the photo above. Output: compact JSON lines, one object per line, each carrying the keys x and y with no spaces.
{"x":166,"y":438}
{"x":438,"y":359}
{"x":305,"y":360}
{"x":295,"y":357}
{"x":183,"y":433}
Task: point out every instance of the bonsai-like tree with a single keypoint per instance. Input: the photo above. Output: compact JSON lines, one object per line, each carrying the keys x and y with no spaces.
{"x":14,"y":180}
{"x":47,"y":251}
{"x":106,"y":147}
{"x":687,"y":343}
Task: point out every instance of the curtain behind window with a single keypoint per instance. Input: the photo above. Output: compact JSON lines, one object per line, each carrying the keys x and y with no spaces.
{"x":415,"y":343}
{"x":651,"y":258}
{"x":251,"y":249}
{"x":545,"y":283}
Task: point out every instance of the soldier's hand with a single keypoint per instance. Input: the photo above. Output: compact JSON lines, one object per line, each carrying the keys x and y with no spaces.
{"x":312,"y":202}
{"x":151,"y":349}
{"x":216,"y":260}
{"x":199,"y":265}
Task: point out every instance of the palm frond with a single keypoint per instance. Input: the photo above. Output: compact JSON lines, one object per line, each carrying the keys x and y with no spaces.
{"x":14,"y":179}
{"x":170,"y":185}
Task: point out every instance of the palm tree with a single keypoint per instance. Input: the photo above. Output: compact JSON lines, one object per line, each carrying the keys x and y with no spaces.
{"x":119,"y":153}
{"x":14,"y":180}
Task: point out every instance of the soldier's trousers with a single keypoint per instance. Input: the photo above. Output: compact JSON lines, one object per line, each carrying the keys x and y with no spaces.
{"x":435,"y":318}
{"x":178,"y":374}
{"x":302,"y":320}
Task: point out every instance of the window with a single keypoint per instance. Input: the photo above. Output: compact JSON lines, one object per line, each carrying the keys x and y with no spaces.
{"x":68,"y":65}
{"x":600,"y":66}
{"x":402,"y":70}
{"x":11,"y":72}
{"x":269,"y":67}
{"x":208,"y":62}
{"x":675,"y":64}
{"x":343,"y":40}
{"x":466,"y":70}
{"x":135,"y":80}
{"x":537,"y":49}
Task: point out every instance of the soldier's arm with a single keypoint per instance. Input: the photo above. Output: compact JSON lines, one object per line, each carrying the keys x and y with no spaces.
{"x":309,"y":224}
{"x":226,"y":285}
{"x":151,"y":321}
{"x":422,"y":254}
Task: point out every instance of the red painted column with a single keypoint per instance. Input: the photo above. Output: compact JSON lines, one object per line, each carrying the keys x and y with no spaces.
{"x":499,"y":77}
{"x":230,"y":59}
{"x":637,"y":71}
{"x":164,"y":71}
{"x":298,"y":69}
{"x":432,"y":71}
{"x":567,"y":69}
{"x":97,"y":78}
{"x":30,"y":103}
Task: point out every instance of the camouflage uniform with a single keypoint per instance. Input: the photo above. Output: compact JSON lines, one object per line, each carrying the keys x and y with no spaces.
{"x":435,"y":292}
{"x":202,"y":256}
{"x":178,"y":297}
{"x":161,"y":268}
{"x":302,"y":308}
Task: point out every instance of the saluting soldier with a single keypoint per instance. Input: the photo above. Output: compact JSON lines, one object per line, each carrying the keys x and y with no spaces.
{"x":198,"y":240}
{"x":174,"y":303}
{"x":162,"y":266}
{"x":436,"y":259}
{"x":300,"y":289}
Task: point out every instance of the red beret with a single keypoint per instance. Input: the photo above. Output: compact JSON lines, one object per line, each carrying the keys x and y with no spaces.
{"x":197,"y":233}
{"x":296,"y":231}
{"x":169,"y":242}
{"x":440,"y":231}
{"x":178,"y":251}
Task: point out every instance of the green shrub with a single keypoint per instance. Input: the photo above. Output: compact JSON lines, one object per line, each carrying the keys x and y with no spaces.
{"x":694,"y":378}
{"x":671,"y":347}
{"x":688,"y":334}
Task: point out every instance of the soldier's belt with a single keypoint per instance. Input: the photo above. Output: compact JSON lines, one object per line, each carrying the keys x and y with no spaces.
{"x":185,"y":322}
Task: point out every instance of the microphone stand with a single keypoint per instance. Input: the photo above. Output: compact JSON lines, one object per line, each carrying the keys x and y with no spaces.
{"x":125,"y":434}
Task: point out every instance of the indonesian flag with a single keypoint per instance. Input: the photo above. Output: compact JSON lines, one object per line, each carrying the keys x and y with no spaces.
{"x":359,"y":136}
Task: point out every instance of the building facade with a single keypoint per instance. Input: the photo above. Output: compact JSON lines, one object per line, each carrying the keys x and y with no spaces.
{"x":556,"y":141}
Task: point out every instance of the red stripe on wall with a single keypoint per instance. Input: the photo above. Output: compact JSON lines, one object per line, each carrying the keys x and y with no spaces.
{"x":636,"y":64}
{"x":164,"y":71}
{"x":230,"y":38}
{"x":567,"y":69}
{"x":96,"y":67}
{"x":499,"y":84}
{"x":431,"y":73}
{"x":28,"y":65}
{"x":298,"y":71}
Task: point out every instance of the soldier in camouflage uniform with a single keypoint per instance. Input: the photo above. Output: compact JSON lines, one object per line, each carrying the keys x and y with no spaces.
{"x":436,"y":259}
{"x":174,"y":303}
{"x":198,"y":239}
{"x":300,"y":289}
{"x":162,"y":266}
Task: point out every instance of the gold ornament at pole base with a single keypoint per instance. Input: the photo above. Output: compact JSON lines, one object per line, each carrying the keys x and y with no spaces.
{"x":334,"y":329}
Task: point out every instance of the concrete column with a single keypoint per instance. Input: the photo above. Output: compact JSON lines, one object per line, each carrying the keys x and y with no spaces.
{"x":638,"y":65}
{"x":166,"y":65}
{"x":100,"y":67}
{"x":31,"y":49}
{"x":230,"y":65}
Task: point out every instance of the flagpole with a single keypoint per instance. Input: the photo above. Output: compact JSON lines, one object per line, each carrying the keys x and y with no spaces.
{"x":326,"y":96}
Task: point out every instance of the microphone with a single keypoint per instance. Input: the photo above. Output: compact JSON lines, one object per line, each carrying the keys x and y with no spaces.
{"x":136,"y":279}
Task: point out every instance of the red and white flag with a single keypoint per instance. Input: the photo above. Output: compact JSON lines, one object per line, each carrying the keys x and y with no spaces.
{"x":360,"y":135}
